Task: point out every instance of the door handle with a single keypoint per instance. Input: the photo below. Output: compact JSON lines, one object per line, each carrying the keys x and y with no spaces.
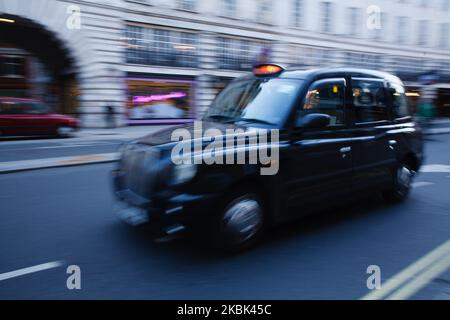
{"x":392,"y":142}
{"x":345,"y":150}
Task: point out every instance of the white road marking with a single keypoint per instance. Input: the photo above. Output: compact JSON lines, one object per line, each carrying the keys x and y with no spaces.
{"x":421,"y":280}
{"x":437,"y":131}
{"x":421,"y":184}
{"x":436,"y":168}
{"x":15,"y":166}
{"x":407,"y":275}
{"x":33,"y":269}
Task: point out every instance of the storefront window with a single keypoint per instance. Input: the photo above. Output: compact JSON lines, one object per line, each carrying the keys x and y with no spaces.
{"x":12,"y":67}
{"x":160,"y":99}
{"x":150,"y":46}
{"x":241,"y":54}
{"x":219,"y":84}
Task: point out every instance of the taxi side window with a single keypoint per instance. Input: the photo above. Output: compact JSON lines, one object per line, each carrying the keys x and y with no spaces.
{"x":326,"y":96}
{"x":369,"y":100}
{"x":400,"y":107}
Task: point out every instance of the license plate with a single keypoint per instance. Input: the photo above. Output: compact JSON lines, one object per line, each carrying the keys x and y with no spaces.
{"x":132,"y":215}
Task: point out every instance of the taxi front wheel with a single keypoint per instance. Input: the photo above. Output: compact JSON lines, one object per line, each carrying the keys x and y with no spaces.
{"x":401,"y":187}
{"x":240,"y":222}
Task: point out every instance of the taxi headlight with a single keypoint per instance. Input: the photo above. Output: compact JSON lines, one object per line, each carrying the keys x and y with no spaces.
{"x":182,"y":173}
{"x":123,"y":149}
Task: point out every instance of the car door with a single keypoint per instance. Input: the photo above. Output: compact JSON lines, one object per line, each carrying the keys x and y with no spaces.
{"x":373,"y":148}
{"x":12,"y":118}
{"x":27,"y":120}
{"x":5,"y":121}
{"x":320,"y":159}
{"x":39,"y":119}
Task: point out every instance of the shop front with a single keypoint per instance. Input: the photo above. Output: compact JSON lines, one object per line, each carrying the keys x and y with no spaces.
{"x":219,"y":83}
{"x":443,"y":100}
{"x":160,"y":100}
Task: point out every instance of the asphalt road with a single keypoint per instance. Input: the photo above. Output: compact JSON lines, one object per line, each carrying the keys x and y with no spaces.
{"x":66,"y":215}
{"x":94,"y":141}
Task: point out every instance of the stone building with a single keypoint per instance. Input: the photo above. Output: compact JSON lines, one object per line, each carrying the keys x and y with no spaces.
{"x":164,"y":60}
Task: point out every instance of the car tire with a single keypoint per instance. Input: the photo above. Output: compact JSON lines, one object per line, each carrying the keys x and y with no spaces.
{"x":401,"y":186}
{"x":240,"y":221}
{"x":64,"y":132}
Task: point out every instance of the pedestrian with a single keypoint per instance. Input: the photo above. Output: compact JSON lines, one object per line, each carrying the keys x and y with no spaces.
{"x":427,"y":108}
{"x":110,"y":121}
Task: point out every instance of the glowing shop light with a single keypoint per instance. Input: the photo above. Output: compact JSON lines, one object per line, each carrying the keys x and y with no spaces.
{"x":158,"y":97}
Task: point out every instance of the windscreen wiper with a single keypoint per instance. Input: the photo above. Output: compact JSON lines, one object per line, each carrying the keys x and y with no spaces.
{"x":220,"y":117}
{"x":229,"y":119}
{"x":253,"y":120}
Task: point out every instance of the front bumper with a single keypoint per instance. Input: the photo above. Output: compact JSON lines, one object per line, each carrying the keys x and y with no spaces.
{"x":167,"y":212}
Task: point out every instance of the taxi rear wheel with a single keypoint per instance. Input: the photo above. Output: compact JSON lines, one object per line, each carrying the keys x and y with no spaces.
{"x":240,"y":222}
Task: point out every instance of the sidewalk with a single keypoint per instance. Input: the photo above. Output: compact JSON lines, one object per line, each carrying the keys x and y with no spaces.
{"x":84,"y":137}
{"x":438,"y":126}
{"x":26,"y":165}
{"x":122,"y":133}
{"x":91,"y":134}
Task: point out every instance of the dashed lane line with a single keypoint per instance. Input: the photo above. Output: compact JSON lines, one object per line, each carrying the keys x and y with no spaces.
{"x":442,"y":168}
{"x":33,"y":269}
{"x":419,"y":184}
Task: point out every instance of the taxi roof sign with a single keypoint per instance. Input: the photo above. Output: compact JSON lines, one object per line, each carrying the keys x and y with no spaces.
{"x":267,"y":69}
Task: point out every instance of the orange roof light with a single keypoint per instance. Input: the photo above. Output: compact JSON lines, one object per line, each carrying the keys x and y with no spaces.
{"x":267,"y":69}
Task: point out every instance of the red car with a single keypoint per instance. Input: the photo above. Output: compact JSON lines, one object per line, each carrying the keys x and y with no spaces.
{"x":23,"y":117}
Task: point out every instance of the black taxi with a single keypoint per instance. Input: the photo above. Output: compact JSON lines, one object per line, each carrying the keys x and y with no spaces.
{"x":337,"y":134}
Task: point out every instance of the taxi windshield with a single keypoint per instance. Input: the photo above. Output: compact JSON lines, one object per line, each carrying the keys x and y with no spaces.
{"x":263,"y":101}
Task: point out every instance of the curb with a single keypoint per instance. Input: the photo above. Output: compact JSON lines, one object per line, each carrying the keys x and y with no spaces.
{"x":36,"y":164}
{"x":437,"y":131}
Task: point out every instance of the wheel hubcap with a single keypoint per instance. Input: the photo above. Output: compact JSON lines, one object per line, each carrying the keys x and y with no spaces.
{"x":63,"y":131}
{"x":243,"y":219}
{"x":404,"y":178}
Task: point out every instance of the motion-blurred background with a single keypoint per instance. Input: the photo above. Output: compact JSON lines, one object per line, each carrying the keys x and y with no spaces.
{"x":144,"y":61}
{"x":121,"y":69}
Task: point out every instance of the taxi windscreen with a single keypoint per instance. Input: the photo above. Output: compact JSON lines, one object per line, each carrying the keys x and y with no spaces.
{"x":265,"y":101}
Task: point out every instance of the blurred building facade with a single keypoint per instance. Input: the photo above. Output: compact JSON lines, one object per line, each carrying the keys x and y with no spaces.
{"x":165,"y":60}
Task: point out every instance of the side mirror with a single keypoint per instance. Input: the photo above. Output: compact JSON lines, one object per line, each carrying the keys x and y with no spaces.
{"x":313,"y":121}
